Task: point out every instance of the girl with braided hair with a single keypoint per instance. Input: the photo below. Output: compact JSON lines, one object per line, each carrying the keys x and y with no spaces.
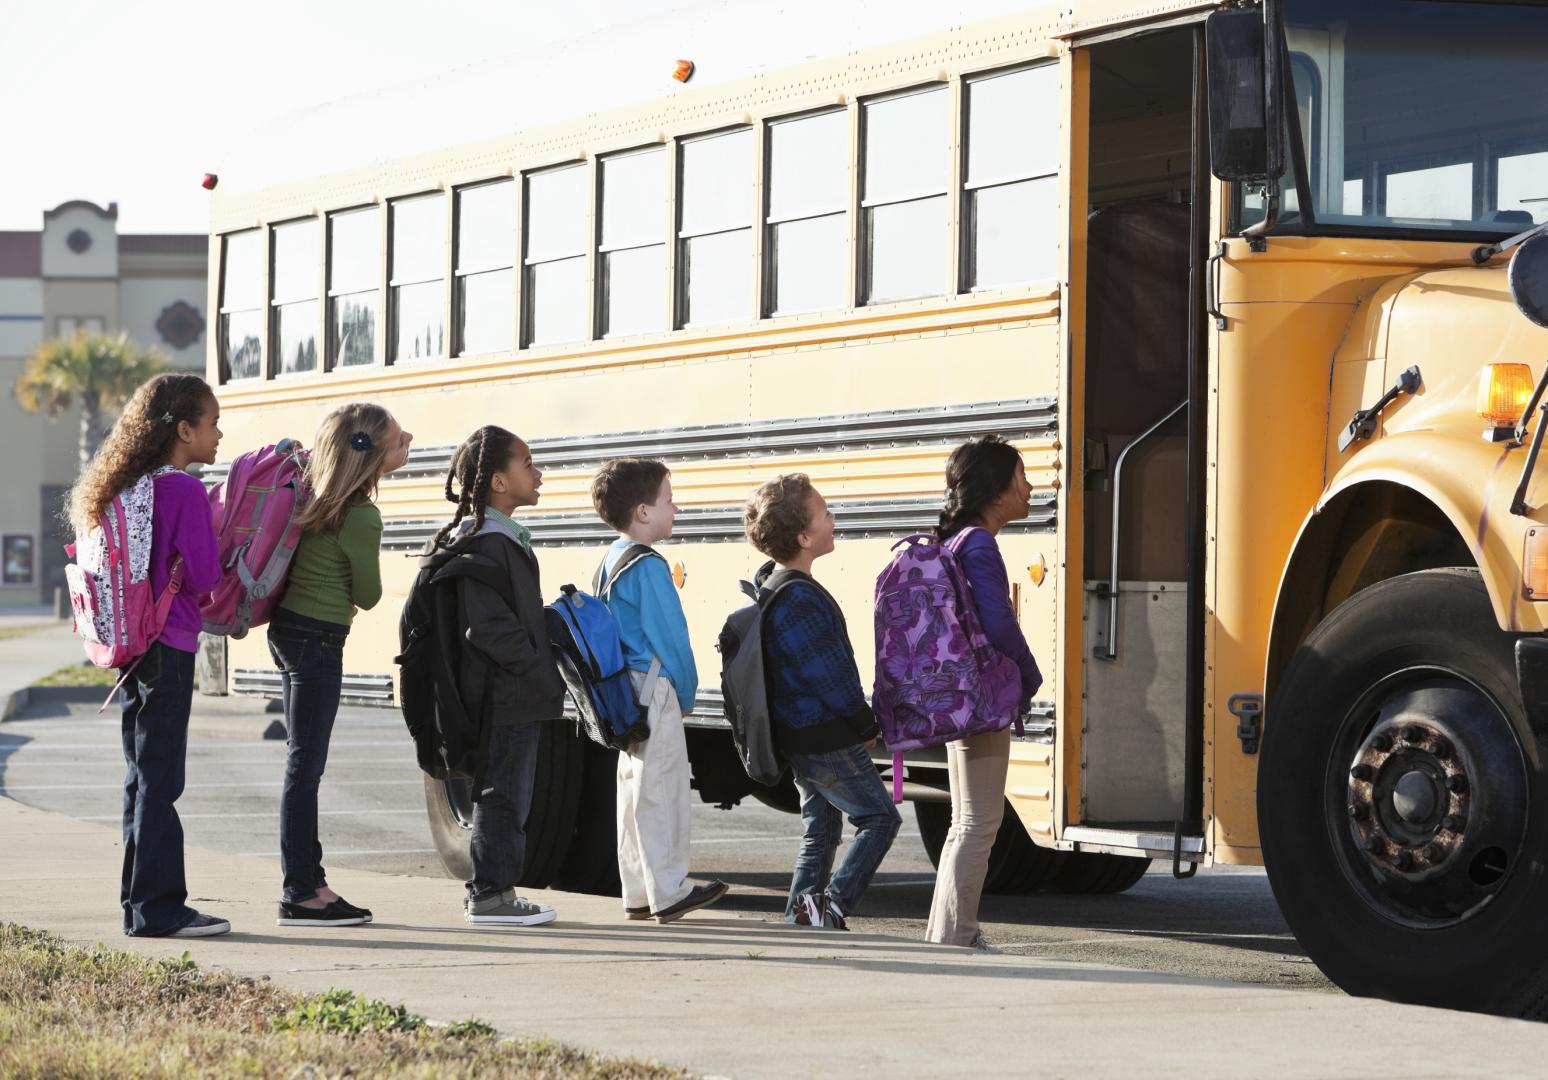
{"x":986,"y":489}
{"x":334,"y":573}
{"x":506,"y":671}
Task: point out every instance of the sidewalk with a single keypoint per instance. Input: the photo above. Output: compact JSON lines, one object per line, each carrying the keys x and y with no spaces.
{"x":740,"y":997}
{"x":27,"y":658}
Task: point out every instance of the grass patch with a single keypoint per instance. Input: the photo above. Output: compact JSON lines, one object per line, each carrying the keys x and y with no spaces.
{"x":80,"y":675}
{"x":72,"y":1012}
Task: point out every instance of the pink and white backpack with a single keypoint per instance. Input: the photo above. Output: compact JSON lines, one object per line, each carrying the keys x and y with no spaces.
{"x":256,"y":534}
{"x":116,"y":616}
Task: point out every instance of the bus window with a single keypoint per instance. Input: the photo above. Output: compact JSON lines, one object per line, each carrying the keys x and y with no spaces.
{"x":632,"y":260}
{"x":1010,"y":187}
{"x":484,"y":276}
{"x":904,"y":237}
{"x":808,"y":217}
{"x":297,"y":254}
{"x":418,"y":273}
{"x":555,"y":257}
{"x":714,"y":254}
{"x":354,"y":269}
{"x":241,"y":306}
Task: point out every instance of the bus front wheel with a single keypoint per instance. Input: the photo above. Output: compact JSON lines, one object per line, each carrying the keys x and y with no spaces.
{"x":1403,"y":804}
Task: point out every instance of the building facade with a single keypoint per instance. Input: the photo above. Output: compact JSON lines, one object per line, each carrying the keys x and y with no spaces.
{"x":78,"y":273}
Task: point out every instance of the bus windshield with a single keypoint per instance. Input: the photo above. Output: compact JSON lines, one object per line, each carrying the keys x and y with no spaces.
{"x":1417,"y":116}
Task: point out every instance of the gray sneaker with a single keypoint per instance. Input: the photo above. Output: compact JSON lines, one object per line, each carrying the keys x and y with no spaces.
{"x":507,"y":909}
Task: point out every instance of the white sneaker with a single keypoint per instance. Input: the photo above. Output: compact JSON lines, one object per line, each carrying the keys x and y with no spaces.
{"x":508,"y":909}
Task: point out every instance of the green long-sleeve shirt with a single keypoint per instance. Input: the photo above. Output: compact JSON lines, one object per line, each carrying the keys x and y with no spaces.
{"x":334,"y":573}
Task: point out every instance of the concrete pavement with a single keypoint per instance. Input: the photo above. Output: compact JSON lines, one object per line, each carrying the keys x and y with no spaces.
{"x":26,"y":658}
{"x":748,"y":998}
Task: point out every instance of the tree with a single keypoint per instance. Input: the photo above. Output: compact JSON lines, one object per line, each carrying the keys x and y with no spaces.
{"x":101,"y":370}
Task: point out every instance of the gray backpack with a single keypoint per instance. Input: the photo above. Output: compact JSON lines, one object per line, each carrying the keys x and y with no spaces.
{"x":741,"y":681}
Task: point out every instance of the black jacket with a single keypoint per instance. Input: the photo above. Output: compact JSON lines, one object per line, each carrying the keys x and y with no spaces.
{"x":505,"y":663}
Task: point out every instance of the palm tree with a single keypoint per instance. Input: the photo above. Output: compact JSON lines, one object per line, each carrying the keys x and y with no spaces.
{"x":102,"y":370}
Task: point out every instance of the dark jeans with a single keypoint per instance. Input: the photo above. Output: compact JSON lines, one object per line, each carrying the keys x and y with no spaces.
{"x":310,"y":655}
{"x":156,"y":699}
{"x":832,"y":784}
{"x":500,"y":809}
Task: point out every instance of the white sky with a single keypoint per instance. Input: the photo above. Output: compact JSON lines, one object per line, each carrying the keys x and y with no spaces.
{"x":130,"y":101}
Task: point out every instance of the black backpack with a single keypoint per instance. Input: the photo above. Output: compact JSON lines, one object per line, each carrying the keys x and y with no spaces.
{"x":450,"y":738}
{"x":742,"y":682}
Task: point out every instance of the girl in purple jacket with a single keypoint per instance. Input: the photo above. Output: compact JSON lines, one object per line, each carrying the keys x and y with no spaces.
{"x":170,"y":423}
{"x":986,"y":489}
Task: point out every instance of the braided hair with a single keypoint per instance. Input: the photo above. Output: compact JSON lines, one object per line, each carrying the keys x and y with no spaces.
{"x":485,"y":452}
{"x":976,"y":473}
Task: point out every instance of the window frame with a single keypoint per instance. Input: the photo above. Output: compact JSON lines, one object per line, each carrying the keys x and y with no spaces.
{"x":223,"y":309}
{"x":273,"y":305}
{"x":458,"y":274}
{"x":599,"y":285}
{"x":862,"y":292}
{"x":394,"y":284}
{"x":331,"y":294}
{"x":525,"y":264}
{"x":768,"y":223}
{"x":680,"y":236}
{"x":6,"y":541}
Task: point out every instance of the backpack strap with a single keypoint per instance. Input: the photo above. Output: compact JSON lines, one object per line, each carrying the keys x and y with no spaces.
{"x":602,"y":583}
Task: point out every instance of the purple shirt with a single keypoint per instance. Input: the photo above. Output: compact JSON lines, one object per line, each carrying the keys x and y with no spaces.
{"x":182,"y":524}
{"x":981,"y":561}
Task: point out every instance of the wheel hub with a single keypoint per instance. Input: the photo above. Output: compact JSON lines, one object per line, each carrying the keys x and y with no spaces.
{"x":1435,"y":795}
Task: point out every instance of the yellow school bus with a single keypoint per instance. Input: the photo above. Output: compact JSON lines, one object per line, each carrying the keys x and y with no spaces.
{"x":1246,"y":283}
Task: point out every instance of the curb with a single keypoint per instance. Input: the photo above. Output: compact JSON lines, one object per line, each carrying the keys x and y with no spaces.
{"x":16,"y":699}
{"x":31,"y":695}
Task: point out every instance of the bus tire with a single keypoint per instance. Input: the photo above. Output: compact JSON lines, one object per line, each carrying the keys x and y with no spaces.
{"x":782,"y":796}
{"x":1097,"y":872}
{"x":591,"y":866}
{"x":1017,"y":865}
{"x":1402,"y":803}
{"x":550,"y":824}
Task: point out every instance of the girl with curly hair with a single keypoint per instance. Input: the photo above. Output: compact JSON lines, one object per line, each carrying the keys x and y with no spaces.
{"x":334,"y":573}
{"x":172,"y":422}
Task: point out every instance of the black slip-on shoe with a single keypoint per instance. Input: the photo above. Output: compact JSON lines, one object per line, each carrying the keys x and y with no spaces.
{"x":700,"y":896}
{"x":346,"y":907}
{"x":332,"y":915}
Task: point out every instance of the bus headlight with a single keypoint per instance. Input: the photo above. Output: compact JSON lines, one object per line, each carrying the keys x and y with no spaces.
{"x":1503,"y":393}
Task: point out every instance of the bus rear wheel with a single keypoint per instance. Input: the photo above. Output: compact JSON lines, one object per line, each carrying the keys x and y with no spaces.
{"x":1017,"y":866}
{"x":1402,"y":802}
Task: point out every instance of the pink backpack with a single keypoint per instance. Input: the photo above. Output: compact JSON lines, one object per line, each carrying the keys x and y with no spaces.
{"x":255,"y":512}
{"x":938,"y":678}
{"x":116,"y":616}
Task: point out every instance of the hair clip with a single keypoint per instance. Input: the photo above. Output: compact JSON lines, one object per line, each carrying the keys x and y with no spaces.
{"x":168,"y":418}
{"x":360,"y":441}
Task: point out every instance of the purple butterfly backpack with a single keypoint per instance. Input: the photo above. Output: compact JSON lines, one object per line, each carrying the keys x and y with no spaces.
{"x":938,"y":678}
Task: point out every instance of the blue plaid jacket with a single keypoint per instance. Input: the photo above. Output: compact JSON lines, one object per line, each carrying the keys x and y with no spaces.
{"x":815,"y":697}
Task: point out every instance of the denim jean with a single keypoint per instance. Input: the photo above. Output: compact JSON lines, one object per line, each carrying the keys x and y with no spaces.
{"x":833,"y":784}
{"x":156,"y":701}
{"x":310,"y":655}
{"x":500,"y":808}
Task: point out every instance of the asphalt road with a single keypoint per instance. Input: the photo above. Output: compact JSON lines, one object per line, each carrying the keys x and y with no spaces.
{"x":60,"y":756}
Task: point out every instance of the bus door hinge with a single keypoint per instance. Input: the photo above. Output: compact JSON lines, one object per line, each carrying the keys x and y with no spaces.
{"x":1363,"y":424}
{"x":1248,"y":710}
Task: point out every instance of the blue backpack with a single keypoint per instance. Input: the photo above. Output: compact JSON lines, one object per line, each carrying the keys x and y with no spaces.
{"x":590,"y":656}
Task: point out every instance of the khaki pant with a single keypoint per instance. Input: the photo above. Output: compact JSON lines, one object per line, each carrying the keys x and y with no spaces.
{"x":653,"y":806}
{"x":976,"y":768}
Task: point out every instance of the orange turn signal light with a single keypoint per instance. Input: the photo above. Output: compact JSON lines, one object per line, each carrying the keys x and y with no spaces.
{"x":1503,"y":393}
{"x":1534,"y":564}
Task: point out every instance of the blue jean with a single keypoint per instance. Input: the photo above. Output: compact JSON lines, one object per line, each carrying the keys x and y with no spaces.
{"x":501,"y":804}
{"x":310,"y":655}
{"x":156,"y":701}
{"x":833,"y":784}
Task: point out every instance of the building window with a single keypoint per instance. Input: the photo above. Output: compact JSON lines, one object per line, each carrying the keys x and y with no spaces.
{"x":904,"y":229}
{"x":485,"y":276}
{"x":632,"y":254}
{"x":241,"y":306}
{"x":67,"y":325}
{"x":1010,"y":195}
{"x":418,"y":278}
{"x":554,"y":257}
{"x":807,"y":237}
{"x":714,"y":234}
{"x":354,"y":286}
{"x":17,"y":551}
{"x":297,"y":247}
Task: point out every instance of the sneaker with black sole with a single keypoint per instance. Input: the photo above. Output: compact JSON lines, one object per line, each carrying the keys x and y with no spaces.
{"x":507,"y":909}
{"x":335,"y":913}
{"x":699,"y":896}
{"x":345,"y":905}
{"x":637,"y":914}
{"x":202,"y":925}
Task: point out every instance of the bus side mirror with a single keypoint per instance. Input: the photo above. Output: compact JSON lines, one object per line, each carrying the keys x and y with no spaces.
{"x":1244,"y":141}
{"x":1528,"y":277}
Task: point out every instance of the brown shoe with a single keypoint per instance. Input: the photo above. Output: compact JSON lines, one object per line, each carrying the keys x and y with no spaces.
{"x":637,"y":914}
{"x":701,"y":896}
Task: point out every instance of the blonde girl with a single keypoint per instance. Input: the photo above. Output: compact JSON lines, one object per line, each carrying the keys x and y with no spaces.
{"x":335,"y":573}
{"x":172,"y":422}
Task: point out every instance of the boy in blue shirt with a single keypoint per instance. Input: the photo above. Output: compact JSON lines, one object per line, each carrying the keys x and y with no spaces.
{"x":634,"y":496}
